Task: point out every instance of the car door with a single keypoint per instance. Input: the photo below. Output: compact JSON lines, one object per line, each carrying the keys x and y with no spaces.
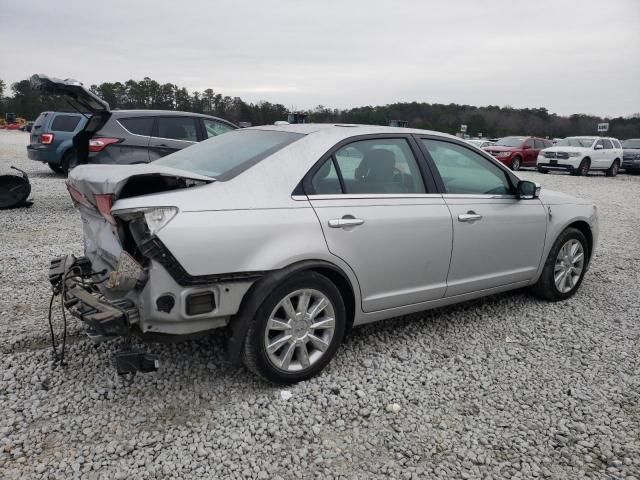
{"x":608,"y":153}
{"x":528,"y":152}
{"x":378,"y":216}
{"x":497,"y":238}
{"x":172,"y":133}
{"x":597,"y":154}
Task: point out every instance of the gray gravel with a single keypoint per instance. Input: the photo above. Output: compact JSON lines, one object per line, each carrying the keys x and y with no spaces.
{"x":507,"y":387}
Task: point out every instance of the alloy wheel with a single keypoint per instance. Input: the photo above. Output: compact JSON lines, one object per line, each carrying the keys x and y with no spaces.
{"x":299,"y":330}
{"x":569,"y":266}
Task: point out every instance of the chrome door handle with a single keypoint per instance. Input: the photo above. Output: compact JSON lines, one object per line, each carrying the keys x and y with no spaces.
{"x":469,"y":217}
{"x":345,"y":222}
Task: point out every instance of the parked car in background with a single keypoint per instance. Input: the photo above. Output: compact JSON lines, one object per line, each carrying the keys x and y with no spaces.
{"x":480,"y":143}
{"x":51,"y":139}
{"x":631,"y":155}
{"x":142,"y":136}
{"x":113,"y":137}
{"x":27,"y":127}
{"x":517,"y":152}
{"x":578,"y":155}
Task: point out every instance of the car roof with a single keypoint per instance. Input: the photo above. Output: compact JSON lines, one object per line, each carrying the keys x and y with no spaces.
{"x":169,"y":113}
{"x":347,"y":130}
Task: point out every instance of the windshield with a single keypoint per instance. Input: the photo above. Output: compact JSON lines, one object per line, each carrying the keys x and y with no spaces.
{"x":576,"y":142}
{"x":510,"y":142}
{"x":631,"y":143}
{"x":225,"y":156}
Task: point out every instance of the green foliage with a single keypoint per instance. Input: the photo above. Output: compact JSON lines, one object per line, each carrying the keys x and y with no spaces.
{"x":492,"y":121}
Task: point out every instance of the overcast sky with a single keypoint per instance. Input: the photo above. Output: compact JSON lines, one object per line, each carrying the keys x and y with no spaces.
{"x":580,"y":56}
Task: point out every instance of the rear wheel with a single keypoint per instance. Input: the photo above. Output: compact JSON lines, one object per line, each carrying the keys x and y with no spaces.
{"x":583,"y":169}
{"x":57,"y":168}
{"x":613,"y":170}
{"x":297,"y":330}
{"x":69,"y":161}
{"x":565,"y":266}
{"x":516,"y":163}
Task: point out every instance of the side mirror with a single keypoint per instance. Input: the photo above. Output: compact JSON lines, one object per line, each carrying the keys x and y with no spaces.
{"x":598,"y":147}
{"x":528,"y":190}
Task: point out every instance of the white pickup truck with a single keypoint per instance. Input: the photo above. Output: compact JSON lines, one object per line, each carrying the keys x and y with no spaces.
{"x":578,"y":155}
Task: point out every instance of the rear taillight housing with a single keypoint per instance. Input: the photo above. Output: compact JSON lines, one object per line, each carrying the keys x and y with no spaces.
{"x":104,"y":203}
{"x":46,"y":138}
{"x":100,"y":143}
{"x":78,"y":196}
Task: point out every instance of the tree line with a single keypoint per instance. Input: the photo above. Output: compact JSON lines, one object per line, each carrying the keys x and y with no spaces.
{"x":491,"y":121}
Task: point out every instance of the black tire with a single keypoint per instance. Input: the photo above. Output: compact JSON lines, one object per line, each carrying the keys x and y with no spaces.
{"x":57,"y":168}
{"x":545,"y":287}
{"x":543,"y":170}
{"x":516,"y":163}
{"x":613,"y":170}
{"x":69,"y":161}
{"x":254,"y":354}
{"x":583,"y":169}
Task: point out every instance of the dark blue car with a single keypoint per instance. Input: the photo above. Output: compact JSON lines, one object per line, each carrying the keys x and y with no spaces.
{"x":52,"y":139}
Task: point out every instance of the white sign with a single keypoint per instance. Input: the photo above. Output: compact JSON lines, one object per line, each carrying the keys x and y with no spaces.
{"x":603,"y":127}
{"x":463,"y":128}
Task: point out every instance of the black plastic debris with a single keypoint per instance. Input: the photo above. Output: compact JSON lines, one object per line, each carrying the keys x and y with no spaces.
{"x":15,"y":190}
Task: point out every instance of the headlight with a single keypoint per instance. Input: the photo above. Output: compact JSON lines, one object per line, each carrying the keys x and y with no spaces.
{"x":156,"y":217}
{"x":574,"y":154}
{"x":503,"y":154}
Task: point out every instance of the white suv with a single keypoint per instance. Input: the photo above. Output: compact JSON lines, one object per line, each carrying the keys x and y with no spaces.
{"x":578,"y":155}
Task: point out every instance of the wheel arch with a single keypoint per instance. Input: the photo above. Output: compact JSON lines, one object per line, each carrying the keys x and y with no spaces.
{"x":258,"y":292}
{"x":585,"y":229}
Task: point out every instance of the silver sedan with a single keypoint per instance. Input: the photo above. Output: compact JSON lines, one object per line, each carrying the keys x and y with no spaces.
{"x":290,"y":235}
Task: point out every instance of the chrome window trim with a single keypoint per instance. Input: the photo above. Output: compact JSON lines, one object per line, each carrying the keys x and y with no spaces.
{"x":131,"y":133}
{"x":175,"y":139}
{"x":368,"y":196}
{"x":478,"y":196}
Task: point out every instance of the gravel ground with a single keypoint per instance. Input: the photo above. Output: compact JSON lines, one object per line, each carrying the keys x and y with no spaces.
{"x":506,"y":387}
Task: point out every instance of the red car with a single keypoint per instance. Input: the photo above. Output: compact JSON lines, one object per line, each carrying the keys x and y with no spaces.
{"x":516,"y":152}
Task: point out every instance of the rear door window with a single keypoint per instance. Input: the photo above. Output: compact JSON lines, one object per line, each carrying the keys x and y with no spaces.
{"x":65,"y":123}
{"x":178,"y":128}
{"x":607,"y":144}
{"x":213,"y":128}
{"x":138,"y":125}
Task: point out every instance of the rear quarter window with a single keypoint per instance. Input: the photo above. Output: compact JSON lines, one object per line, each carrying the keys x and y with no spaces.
{"x":137,"y":125}
{"x":65,"y":123}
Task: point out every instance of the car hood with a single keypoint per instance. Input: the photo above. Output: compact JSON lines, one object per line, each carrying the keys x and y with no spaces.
{"x":91,"y":180}
{"x":566,"y":149}
{"x":551,"y":197}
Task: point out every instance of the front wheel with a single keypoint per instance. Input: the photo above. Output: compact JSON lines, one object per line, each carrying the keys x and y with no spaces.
{"x":583,"y":169}
{"x":565,"y":267}
{"x":516,"y":163}
{"x":296,"y":331}
{"x":613,"y":170}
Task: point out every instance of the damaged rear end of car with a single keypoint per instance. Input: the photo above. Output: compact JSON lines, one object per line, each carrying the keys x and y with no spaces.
{"x":110,"y":287}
